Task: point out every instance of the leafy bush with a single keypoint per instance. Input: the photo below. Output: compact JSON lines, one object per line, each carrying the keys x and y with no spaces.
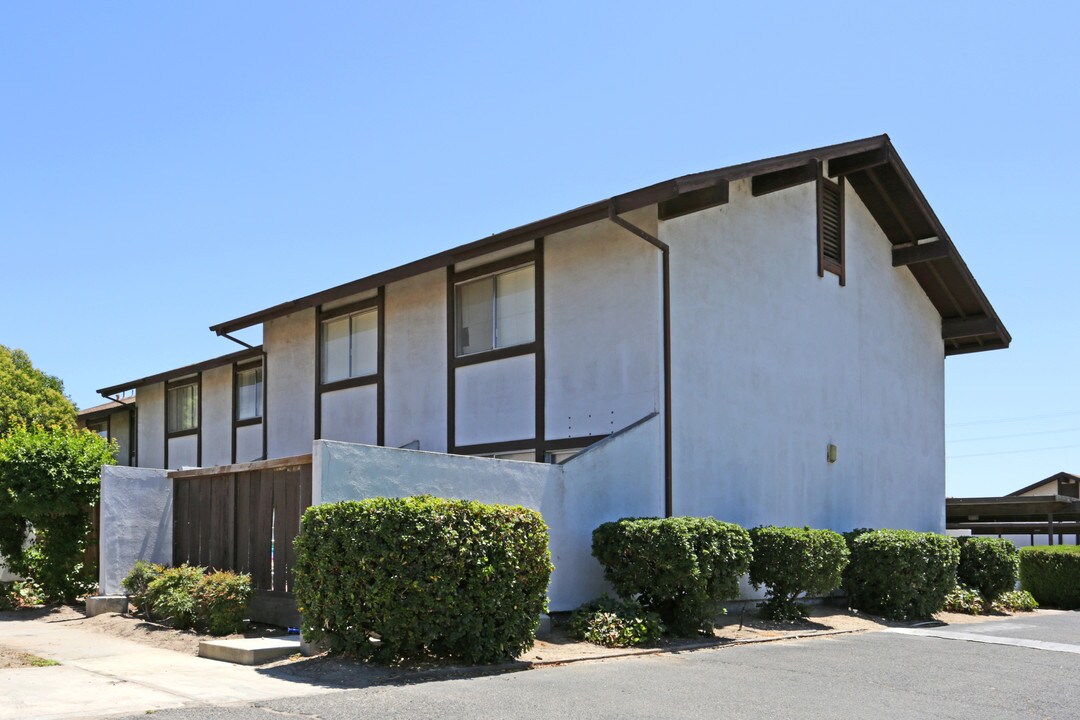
{"x":901,"y":573}
{"x":19,"y":594}
{"x":679,"y":567}
{"x":1016,"y":601}
{"x":48,"y":482}
{"x":1052,"y":575}
{"x":137,"y":583}
{"x":615,"y":623}
{"x":791,"y":561}
{"x":221,"y":602}
{"x":962,"y":599}
{"x":988,"y":565}
{"x":422,"y":577}
{"x":172,"y":595}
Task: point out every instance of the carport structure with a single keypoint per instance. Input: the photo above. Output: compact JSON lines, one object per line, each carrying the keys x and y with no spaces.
{"x":1050,"y":515}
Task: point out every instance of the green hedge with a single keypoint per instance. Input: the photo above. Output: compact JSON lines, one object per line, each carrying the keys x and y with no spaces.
{"x":679,"y":567}
{"x":398,"y":580}
{"x":901,"y":573}
{"x":988,"y":565}
{"x":790,"y":561}
{"x":1052,"y":575}
{"x":190,"y":597}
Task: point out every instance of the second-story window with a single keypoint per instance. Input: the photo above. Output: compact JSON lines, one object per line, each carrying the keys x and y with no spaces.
{"x":350,"y":346}
{"x":249,"y":392}
{"x":496,"y":311}
{"x":183,"y":402}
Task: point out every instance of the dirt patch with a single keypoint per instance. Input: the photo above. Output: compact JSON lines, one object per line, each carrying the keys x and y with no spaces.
{"x":134,"y":628}
{"x":10,"y":658}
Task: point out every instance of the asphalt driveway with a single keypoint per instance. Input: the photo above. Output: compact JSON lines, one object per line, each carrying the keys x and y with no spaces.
{"x":870,"y":675}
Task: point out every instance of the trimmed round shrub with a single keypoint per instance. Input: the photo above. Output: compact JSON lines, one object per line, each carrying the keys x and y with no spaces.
{"x":678,"y":567}
{"x":404,"y":579}
{"x":137,"y":585}
{"x":172,"y":595}
{"x":790,"y":561}
{"x":1052,"y":575}
{"x":221,"y":602}
{"x":615,"y":623}
{"x":901,"y":574}
{"x":988,"y":565}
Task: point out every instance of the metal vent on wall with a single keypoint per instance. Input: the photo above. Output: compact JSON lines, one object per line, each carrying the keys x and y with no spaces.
{"x":831,"y":228}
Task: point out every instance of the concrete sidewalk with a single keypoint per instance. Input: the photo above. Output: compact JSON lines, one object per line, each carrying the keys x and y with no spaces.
{"x":100,"y":675}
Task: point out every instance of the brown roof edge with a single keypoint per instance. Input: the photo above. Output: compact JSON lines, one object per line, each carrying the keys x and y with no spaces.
{"x":1036,"y":484}
{"x":583,"y":215}
{"x":105,"y":408}
{"x":246,"y":354}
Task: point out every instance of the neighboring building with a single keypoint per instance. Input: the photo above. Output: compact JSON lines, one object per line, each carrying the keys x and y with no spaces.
{"x":1062,"y":483}
{"x":114,"y":420}
{"x":788,"y":320}
{"x":1046,"y":512}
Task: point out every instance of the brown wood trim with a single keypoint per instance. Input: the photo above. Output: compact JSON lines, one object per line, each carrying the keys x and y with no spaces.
{"x":503,"y":446}
{"x":858,"y":162}
{"x":318,"y":373}
{"x":235,"y":393}
{"x":371,"y":303}
{"x":272,"y":464}
{"x":495,"y":354}
{"x":451,"y":368}
{"x":923,"y":252}
{"x":495,"y":266}
{"x":181,"y":433}
{"x":199,"y":425}
{"x":669,"y":506}
{"x":165,"y":424}
{"x":266,"y":397}
{"x":348,"y":383}
{"x":540,"y":360}
{"x":244,"y":423}
{"x":380,"y":352}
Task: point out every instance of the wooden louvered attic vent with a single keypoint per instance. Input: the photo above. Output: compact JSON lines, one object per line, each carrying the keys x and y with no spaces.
{"x":830,"y":228}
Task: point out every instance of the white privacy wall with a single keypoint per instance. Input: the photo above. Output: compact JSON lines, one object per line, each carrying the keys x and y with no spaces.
{"x":415,"y":361}
{"x":618,"y":477}
{"x":136,"y":522}
{"x":602,"y":340}
{"x":772,"y":363}
{"x":151,"y":425}
{"x":289,"y":343}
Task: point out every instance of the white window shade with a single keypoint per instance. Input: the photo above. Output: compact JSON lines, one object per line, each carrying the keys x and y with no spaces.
{"x":249,"y":393}
{"x":364,"y":344}
{"x":335,"y":350}
{"x":474,"y":307}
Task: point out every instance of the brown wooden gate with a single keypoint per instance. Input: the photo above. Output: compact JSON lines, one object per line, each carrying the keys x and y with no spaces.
{"x":243,"y":518}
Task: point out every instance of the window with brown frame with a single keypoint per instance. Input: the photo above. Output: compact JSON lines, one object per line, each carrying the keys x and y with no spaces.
{"x":830,"y":234}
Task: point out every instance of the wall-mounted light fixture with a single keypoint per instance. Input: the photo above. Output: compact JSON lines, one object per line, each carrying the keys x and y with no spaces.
{"x":830,"y":454}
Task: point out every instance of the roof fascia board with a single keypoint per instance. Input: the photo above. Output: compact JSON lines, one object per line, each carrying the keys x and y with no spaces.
{"x":184,"y":371}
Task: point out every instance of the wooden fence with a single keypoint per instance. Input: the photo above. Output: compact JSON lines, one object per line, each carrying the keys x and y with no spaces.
{"x":242,"y":518}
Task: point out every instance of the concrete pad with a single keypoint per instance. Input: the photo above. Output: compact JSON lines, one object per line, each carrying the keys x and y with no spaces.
{"x":100,"y":604}
{"x":250,"y":651}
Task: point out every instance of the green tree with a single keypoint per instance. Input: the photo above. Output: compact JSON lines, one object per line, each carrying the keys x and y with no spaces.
{"x":29,"y":396}
{"x":49,"y":480}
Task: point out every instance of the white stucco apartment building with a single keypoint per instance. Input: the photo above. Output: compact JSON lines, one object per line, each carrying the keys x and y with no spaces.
{"x":785,"y":323}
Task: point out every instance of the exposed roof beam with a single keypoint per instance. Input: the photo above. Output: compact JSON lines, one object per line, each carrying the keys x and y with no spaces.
{"x":783,"y":179}
{"x":959,"y":328}
{"x":923,"y":252}
{"x":858,"y":162}
{"x":185,"y":371}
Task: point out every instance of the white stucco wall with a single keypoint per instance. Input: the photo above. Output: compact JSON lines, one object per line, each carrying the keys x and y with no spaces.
{"x":602,"y":307}
{"x":136,"y":522}
{"x":496,"y":400}
{"x":249,"y":440}
{"x":151,"y":422}
{"x":415,"y":358}
{"x":351,"y":415}
{"x":615,"y":478}
{"x":772,"y":363}
{"x":289,"y":343}
{"x":216,"y":416}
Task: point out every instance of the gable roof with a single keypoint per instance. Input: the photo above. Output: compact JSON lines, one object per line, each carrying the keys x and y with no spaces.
{"x":1053,"y":478}
{"x":247,"y":354}
{"x":872,"y":167}
{"x":99,"y":411}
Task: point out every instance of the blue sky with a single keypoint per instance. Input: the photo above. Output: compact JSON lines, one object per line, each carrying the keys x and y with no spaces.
{"x":167,"y":166}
